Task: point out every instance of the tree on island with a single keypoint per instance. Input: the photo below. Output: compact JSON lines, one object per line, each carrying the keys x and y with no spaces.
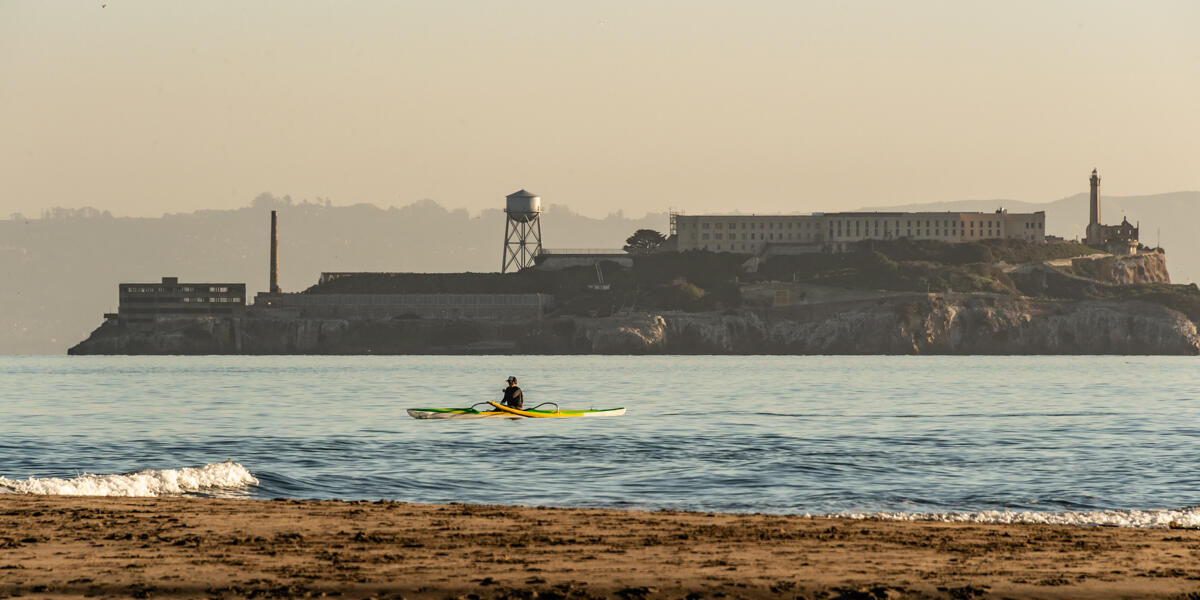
{"x":644,"y":241}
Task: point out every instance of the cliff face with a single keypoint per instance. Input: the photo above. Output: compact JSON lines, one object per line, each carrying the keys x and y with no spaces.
{"x":935,"y":324}
{"x":176,"y":336}
{"x":1087,"y":277}
{"x":1141,"y":268}
{"x":259,"y":334}
{"x":1150,"y":267}
{"x":900,"y":324}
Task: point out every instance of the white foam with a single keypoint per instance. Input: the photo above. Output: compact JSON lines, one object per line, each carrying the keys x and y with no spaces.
{"x":1183,"y":517}
{"x":167,"y":482}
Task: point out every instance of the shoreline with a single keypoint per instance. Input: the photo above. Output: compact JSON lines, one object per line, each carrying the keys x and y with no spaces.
{"x":58,"y":546}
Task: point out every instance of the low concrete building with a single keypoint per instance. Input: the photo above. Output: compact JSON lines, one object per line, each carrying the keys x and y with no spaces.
{"x":169,"y":298}
{"x":410,"y":306}
{"x":557,"y":260}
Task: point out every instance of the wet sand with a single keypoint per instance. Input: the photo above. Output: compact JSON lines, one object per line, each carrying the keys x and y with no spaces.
{"x":205,"y":548}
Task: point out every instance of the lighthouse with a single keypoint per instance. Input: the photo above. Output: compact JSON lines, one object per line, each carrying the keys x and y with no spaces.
{"x":1094,"y":233}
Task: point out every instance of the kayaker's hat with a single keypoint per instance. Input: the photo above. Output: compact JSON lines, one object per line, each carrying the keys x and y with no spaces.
{"x":512,"y":379}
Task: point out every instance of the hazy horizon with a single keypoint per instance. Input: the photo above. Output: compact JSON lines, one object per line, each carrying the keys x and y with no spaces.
{"x":625,"y":214}
{"x":143,"y":108}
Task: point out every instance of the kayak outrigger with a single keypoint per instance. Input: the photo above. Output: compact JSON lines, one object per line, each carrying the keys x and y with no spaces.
{"x":498,"y":410}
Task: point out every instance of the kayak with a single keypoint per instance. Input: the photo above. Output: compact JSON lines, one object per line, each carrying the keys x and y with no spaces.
{"x":505,"y":412}
{"x":457,"y":413}
{"x":608,"y":412}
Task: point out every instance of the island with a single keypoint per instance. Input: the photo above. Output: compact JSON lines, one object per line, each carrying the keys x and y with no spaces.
{"x":902,"y":296}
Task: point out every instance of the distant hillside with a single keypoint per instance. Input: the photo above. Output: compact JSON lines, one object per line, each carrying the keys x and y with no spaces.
{"x":1173,"y":215}
{"x":61,"y":272}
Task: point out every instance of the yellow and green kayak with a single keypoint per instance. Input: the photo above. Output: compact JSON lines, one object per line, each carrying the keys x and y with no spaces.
{"x":504,"y":412}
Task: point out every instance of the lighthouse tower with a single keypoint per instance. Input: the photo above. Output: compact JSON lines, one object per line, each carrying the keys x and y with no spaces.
{"x":1094,"y":235}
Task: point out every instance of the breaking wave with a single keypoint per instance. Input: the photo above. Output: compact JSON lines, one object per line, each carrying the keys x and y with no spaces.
{"x":1187,"y":518}
{"x":212,"y":478}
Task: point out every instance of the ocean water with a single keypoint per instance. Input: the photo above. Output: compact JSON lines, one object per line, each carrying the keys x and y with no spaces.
{"x":1088,"y":440}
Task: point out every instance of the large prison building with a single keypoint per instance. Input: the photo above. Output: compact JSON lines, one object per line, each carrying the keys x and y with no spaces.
{"x":835,"y":232}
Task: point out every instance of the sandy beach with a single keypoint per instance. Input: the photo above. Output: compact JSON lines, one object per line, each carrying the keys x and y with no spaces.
{"x":209,"y":548}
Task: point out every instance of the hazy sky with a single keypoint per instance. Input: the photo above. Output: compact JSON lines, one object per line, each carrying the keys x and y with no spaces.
{"x":146,"y":107}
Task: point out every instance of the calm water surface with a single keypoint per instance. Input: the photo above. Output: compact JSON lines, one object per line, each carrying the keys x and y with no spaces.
{"x":764,"y":434}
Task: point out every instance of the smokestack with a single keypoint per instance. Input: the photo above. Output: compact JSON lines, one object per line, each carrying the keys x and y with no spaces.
{"x":274,"y":254}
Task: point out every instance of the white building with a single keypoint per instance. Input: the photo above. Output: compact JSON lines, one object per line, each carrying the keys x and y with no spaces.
{"x":833,"y":232}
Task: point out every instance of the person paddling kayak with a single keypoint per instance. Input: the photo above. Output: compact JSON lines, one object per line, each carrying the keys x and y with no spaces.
{"x":513,"y":398}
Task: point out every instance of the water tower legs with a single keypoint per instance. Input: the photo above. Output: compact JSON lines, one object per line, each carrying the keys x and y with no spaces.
{"x":522,"y":243}
{"x":522,"y":230}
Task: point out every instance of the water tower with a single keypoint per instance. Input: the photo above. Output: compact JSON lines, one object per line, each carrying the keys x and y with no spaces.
{"x":522,"y":230}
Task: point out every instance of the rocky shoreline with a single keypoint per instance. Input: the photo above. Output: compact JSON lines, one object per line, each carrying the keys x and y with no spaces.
{"x":886,"y":323}
{"x":1081,"y":305}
